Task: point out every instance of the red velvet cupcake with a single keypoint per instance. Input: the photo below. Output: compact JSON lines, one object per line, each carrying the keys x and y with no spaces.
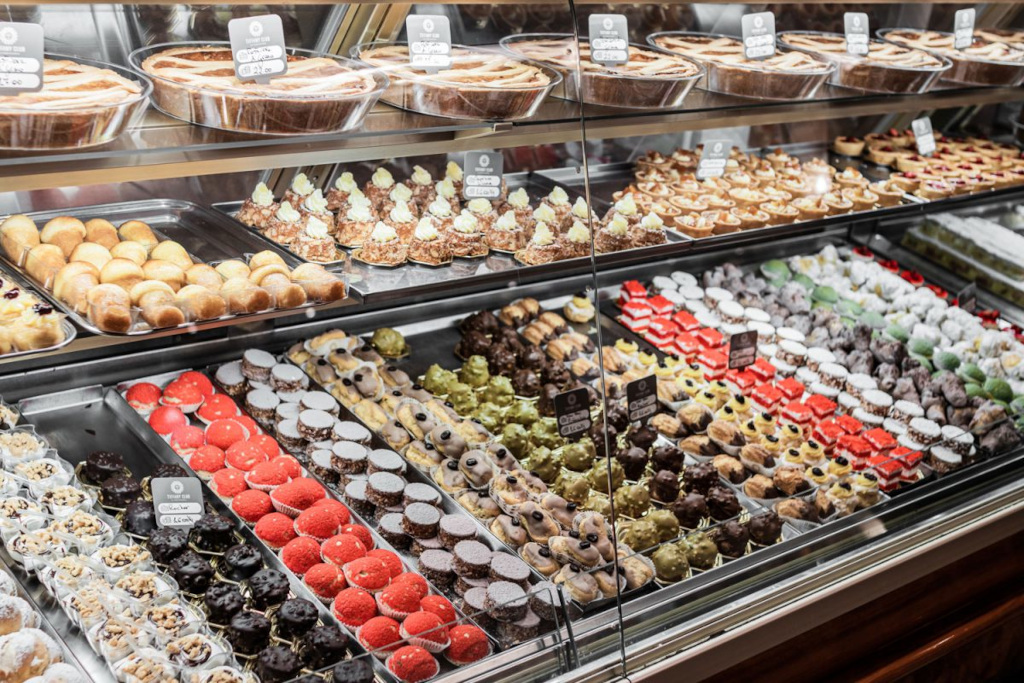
{"x":341,"y":549}
{"x":413,"y":664}
{"x":318,"y":523}
{"x":228,"y":483}
{"x":368,"y":573}
{"x":398,"y":600}
{"x":325,"y":581}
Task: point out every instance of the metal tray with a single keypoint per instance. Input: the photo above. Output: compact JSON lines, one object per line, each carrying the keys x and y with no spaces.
{"x":70,"y":331}
{"x":230,"y":209}
{"x":205,"y":235}
{"x":81,"y":421}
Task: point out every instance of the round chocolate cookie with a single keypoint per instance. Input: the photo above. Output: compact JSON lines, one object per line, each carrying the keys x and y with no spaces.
{"x":437,"y":566}
{"x":384,"y":489}
{"x":509,"y":568}
{"x":391,"y":528}
{"x":420,"y":493}
{"x":295,"y":617}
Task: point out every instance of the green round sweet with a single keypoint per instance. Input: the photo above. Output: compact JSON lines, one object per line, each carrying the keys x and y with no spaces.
{"x":776,"y":270}
{"x":873,"y":319}
{"x":670,"y":563}
{"x":474,"y":372}
{"x":516,"y":438}
{"x":599,"y":503}
{"x":998,"y":389}
{"x":577,"y":457}
{"x":523,"y":412}
{"x":572,"y":486}
{"x":778,"y":283}
{"x":1017,"y":405}
{"x":701,"y":551}
{"x":544,"y":432}
{"x":849,"y":307}
{"x":898,"y":333}
{"x":822,"y":304}
{"x":947,"y":361}
{"x":632,"y":501}
{"x":546,"y":463}
{"x":499,"y":391}
{"x":437,"y":380}
{"x":825,"y":293}
{"x":974,"y":390}
{"x":666,"y":522}
{"x":641,"y":534}
{"x":971,"y":373}
{"x":389,"y":342}
{"x":490,"y":416}
{"x":921,"y":347}
{"x":598,"y":474}
{"x":802,"y":279}
{"x":462,"y":397}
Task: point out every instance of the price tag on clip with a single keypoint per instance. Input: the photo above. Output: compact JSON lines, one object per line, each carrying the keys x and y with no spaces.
{"x":742,"y":349}
{"x":609,"y":39}
{"x":923,"y":136}
{"x":758,"y":35}
{"x":572,"y":411}
{"x":857,"y":33}
{"x":642,"y":398}
{"x":21,"y":58}
{"x":963,"y":28}
{"x":430,"y":42}
{"x":483,"y":174}
{"x":713,"y":158}
{"x":178,"y":501}
{"x":257,"y":47}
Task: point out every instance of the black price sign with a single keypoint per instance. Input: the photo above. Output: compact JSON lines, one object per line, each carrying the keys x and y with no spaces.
{"x":758,"y":35}
{"x":967,"y":299}
{"x":572,"y":410}
{"x":609,"y":39}
{"x":742,"y":349}
{"x":963,"y":28}
{"x":483,"y":173}
{"x":642,"y":398}
{"x":178,"y":501}
{"x":21,"y":58}
{"x":713,"y":158}
{"x":257,"y":46}
{"x":856,"y":24}
{"x":924,"y":137}
{"x":430,"y":42}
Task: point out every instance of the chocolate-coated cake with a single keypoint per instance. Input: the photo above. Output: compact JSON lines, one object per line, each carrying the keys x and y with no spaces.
{"x":223,"y":601}
{"x":192,"y":572}
{"x":323,"y":646}
{"x":214,"y":533}
{"x":240,"y":562}
{"x":278,"y":663}
{"x":101,"y":465}
{"x":166,"y":544}
{"x":140,"y":518}
{"x":249,"y":632}
{"x":119,"y":490}
{"x":268,"y":587}
{"x":295,"y":617}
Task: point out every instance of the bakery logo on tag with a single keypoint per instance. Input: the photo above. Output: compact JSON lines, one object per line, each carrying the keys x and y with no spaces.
{"x":967,"y":299}
{"x":713,"y":157}
{"x":609,"y":39}
{"x":430,"y":42}
{"x":856,"y":33}
{"x":758,"y":35}
{"x":642,"y":398}
{"x":924,"y":137}
{"x":572,"y":411}
{"x":178,"y":501}
{"x":257,"y":46}
{"x":21,"y":58}
{"x":483,"y":174}
{"x":963,"y":28}
{"x":742,"y":349}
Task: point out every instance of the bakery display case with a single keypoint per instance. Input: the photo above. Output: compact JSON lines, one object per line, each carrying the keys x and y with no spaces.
{"x":495,"y":342}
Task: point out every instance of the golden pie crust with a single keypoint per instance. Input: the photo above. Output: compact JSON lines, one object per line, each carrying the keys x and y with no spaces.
{"x":79,"y":105}
{"x":479,"y":84}
{"x":197,"y":83}
{"x":984,"y":62}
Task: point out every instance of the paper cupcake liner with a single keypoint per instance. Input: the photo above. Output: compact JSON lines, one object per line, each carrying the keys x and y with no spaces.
{"x":431,"y":646}
{"x":266,"y":488}
{"x":187,"y":408}
{"x":285,"y":509}
{"x":453,"y":662}
{"x":389,"y":611}
{"x":381,"y":654}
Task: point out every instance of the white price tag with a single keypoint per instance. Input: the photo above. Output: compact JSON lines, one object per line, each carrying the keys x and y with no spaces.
{"x":483,"y":174}
{"x":178,"y":501}
{"x":758,"y":35}
{"x":257,"y":46}
{"x":963,"y":28}
{"x":21,"y":58}
{"x":713,"y":158}
{"x":430,"y":41}
{"x":857,"y":33}
{"x":609,"y":39}
{"x":924,"y":137}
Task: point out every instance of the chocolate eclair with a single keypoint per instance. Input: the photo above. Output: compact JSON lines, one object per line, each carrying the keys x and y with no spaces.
{"x":540,"y":558}
{"x":476,"y":468}
{"x":575,"y":550}
{"x":561,"y":509}
{"x":449,"y":477}
{"x":539,"y":523}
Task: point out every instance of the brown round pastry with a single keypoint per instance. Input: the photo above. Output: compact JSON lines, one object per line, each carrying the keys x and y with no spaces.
{"x":722,"y":503}
{"x":765,"y":528}
{"x":472,"y":559}
{"x":760,"y":486}
{"x":700,"y":478}
{"x":729,"y":468}
{"x":633,"y":461}
{"x":690,"y":510}
{"x":667,"y":458}
{"x":664,"y":485}
{"x":796,"y":508}
{"x":197,"y":83}
{"x":731,"y":538}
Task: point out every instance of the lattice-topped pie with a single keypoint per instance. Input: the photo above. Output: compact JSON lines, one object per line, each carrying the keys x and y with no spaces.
{"x":650,"y":78}
{"x":886,"y":67}
{"x":197,"y":83}
{"x":984,"y":62}
{"x":788,"y":74}
{"x":1011,"y":36}
{"x":79,"y":105}
{"x":480,"y":83}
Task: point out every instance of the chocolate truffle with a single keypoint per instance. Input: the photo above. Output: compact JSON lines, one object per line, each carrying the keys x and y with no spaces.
{"x":352,"y":671}
{"x":642,"y":437}
{"x":167,"y":543}
{"x":633,"y":461}
{"x":484,"y":322}
{"x":765,"y":528}
{"x":667,"y":458}
{"x":532,"y":358}
{"x":295,"y":617}
{"x":249,"y":632}
{"x":731,"y":538}
{"x":665,"y":485}
{"x":119,"y":490}
{"x":323,"y":646}
{"x":213,"y":532}
{"x":526,"y":383}
{"x":700,"y":478}
{"x":223,"y":601}
{"x":240,"y":562}
{"x":169,"y":470}
{"x":140,"y":518}
{"x":101,"y":465}
{"x":277,"y":664}
{"x":268,"y":587}
{"x":722,"y":503}
{"x":690,"y":510}
{"x":192,"y":572}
